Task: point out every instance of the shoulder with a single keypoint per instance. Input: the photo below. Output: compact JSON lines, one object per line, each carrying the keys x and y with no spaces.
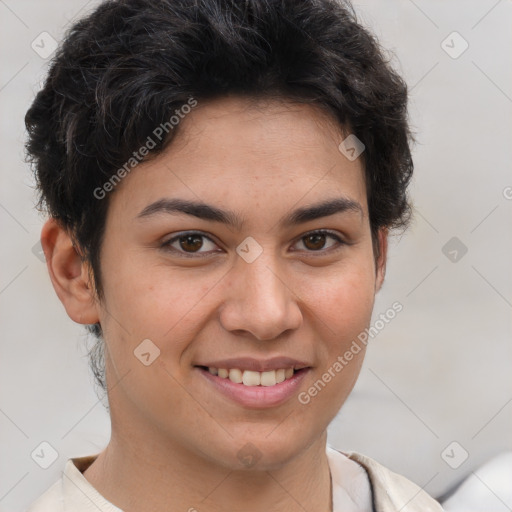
{"x":392,"y":491}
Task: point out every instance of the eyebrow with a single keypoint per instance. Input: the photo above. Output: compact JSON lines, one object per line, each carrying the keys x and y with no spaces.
{"x":212,"y":213}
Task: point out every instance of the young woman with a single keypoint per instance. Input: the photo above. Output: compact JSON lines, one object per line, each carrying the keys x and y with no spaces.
{"x":220,"y":179}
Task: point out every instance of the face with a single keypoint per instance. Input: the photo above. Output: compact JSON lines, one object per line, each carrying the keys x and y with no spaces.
{"x":261,"y":281}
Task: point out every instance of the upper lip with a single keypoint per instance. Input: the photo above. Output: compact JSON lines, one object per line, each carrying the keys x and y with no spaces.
{"x":256,"y":365}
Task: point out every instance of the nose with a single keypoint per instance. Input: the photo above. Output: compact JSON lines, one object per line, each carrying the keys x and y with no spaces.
{"x":261,"y":300}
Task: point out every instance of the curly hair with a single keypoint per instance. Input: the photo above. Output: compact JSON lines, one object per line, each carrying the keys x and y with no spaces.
{"x":126,"y":67}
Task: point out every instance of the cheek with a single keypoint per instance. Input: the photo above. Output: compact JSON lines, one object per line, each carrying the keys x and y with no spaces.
{"x":344,"y":301}
{"x":155,"y":303}
{"x":154,"y":300}
{"x":343,"y":307}
{"x":343,"y":311}
{"x":152,"y":303}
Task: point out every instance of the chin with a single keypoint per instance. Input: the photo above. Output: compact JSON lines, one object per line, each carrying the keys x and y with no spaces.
{"x":263,"y":452}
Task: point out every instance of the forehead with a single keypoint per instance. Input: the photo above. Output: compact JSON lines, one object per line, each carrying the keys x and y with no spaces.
{"x":251,"y":154}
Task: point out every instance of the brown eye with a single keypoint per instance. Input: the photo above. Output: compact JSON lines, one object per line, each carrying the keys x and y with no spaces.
{"x":316,"y":241}
{"x":189,"y":244}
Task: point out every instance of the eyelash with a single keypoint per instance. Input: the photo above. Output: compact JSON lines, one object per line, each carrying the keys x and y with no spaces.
{"x":167,"y":244}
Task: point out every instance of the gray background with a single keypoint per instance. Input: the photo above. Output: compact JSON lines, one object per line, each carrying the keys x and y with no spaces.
{"x":438,"y":373}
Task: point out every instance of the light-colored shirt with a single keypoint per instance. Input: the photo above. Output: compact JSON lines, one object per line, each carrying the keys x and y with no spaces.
{"x":368,"y":488}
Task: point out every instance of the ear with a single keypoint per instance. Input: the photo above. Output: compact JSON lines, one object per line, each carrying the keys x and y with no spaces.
{"x":382,"y":257}
{"x":69,"y":274}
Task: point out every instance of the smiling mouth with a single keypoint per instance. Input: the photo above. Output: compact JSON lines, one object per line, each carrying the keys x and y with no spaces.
{"x":252,"y":378}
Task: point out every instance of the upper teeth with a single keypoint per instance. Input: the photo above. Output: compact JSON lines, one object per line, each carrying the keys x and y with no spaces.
{"x":251,"y":378}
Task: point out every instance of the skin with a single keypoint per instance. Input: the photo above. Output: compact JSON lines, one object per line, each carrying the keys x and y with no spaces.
{"x":175,"y":439}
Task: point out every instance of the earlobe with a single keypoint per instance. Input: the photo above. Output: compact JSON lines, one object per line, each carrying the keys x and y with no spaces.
{"x":69,"y":274}
{"x":382,"y":258}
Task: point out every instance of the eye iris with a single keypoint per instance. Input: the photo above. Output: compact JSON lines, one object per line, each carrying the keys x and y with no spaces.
{"x":318,"y":241}
{"x":195,"y":245}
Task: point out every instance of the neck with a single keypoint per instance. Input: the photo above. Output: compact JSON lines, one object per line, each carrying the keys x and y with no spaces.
{"x":136,"y":475}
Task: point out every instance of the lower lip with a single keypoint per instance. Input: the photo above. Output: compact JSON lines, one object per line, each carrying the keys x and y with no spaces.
{"x":257,"y":396}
